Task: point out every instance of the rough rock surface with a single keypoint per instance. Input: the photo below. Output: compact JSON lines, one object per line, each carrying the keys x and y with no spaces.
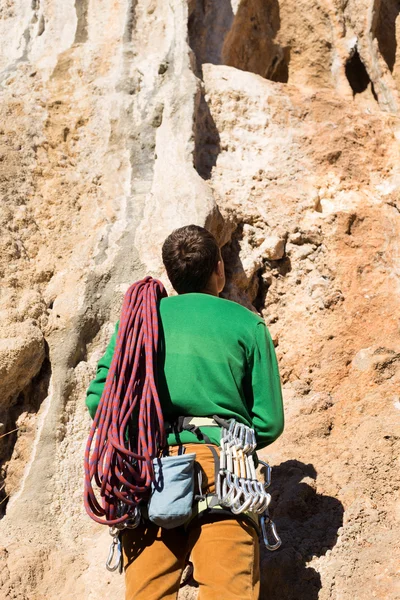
{"x":274,"y":123}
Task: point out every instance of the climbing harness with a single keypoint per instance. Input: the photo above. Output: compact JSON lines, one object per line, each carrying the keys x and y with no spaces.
{"x":118,"y":460}
{"x":238,"y":490}
{"x":243,"y":496}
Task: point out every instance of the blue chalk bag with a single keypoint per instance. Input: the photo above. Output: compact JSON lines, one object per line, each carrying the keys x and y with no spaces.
{"x":172,"y":492}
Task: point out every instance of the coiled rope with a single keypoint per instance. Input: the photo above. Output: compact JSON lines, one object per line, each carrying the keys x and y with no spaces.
{"x":121,"y":464}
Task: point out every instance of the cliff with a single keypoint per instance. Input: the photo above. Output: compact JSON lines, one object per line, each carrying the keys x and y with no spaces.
{"x":273,"y":123}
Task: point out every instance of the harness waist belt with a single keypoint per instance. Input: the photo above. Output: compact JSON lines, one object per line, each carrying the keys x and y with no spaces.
{"x":191,"y":423}
{"x":209,"y":505}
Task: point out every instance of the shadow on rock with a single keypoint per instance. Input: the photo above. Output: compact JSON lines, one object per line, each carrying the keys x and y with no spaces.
{"x":308,"y":524}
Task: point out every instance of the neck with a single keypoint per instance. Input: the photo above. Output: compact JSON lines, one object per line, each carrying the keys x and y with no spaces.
{"x":210,"y":289}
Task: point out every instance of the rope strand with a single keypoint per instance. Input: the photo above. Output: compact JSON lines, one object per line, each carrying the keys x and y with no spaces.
{"x":122,"y":467}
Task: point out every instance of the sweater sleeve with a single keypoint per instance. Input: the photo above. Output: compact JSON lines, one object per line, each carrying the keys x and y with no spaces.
{"x":267,"y":406}
{"x":96,"y":387}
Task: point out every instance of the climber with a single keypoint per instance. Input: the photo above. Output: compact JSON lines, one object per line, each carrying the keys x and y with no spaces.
{"x":215,"y":357}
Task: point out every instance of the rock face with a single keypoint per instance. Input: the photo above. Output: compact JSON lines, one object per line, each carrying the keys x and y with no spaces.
{"x":273,"y":123}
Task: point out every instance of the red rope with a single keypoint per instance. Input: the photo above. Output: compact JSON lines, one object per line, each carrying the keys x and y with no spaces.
{"x":122,"y":465}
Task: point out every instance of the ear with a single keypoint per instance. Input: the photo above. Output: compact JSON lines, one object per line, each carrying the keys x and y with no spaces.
{"x":219,"y":269}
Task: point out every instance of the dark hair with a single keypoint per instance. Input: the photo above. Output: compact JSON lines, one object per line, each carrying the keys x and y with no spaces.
{"x":190,"y":255}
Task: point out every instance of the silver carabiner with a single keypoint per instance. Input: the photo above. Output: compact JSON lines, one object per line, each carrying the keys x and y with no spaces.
{"x":267,"y":481}
{"x":256,"y":500}
{"x":259,"y":497}
{"x":222,"y":458}
{"x":228,"y":489}
{"x":265,"y":503}
{"x":235,"y":433}
{"x":114,"y":548}
{"x":231,"y":427}
{"x":241,"y":436}
{"x":264,"y":522}
{"x":135,"y":520}
{"x":253,"y":433}
{"x":248,"y":440}
{"x":237,"y":491}
{"x":220,"y":484}
{"x":238,"y":506}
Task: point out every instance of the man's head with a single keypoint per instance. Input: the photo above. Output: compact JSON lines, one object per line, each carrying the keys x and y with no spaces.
{"x":193,"y":261}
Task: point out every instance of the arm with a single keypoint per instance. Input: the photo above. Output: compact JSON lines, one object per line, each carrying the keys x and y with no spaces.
{"x":266,"y":395}
{"x":96,"y":387}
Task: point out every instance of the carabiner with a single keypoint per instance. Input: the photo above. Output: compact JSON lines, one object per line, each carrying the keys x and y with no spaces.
{"x":228,"y":489}
{"x":237,"y":490}
{"x":256,"y":500}
{"x":242,"y":464}
{"x":229,"y":459}
{"x":241,"y":436}
{"x":264,"y":522}
{"x":235,"y":433}
{"x":265,"y":504}
{"x":259,"y":503}
{"x":131,"y":523}
{"x":253,"y":434}
{"x":251,"y":474}
{"x":248,"y":440}
{"x":238,"y":506}
{"x":222,"y":484}
{"x":266,"y":497}
{"x":268,"y":471}
{"x":222,"y":458}
{"x":115,"y":547}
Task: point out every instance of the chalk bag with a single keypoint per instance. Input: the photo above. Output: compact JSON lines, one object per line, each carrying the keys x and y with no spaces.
{"x":172,"y":492}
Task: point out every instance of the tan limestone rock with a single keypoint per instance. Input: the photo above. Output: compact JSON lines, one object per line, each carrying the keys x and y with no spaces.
{"x":275,"y":124}
{"x":21,"y":356}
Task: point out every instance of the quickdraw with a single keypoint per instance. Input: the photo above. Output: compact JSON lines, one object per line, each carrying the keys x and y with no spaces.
{"x":237,"y":485}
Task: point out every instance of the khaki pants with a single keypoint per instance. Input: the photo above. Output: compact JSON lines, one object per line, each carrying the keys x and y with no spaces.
{"x":224,"y":552}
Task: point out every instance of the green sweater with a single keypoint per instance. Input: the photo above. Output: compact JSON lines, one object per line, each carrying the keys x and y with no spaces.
{"x":215,"y":358}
